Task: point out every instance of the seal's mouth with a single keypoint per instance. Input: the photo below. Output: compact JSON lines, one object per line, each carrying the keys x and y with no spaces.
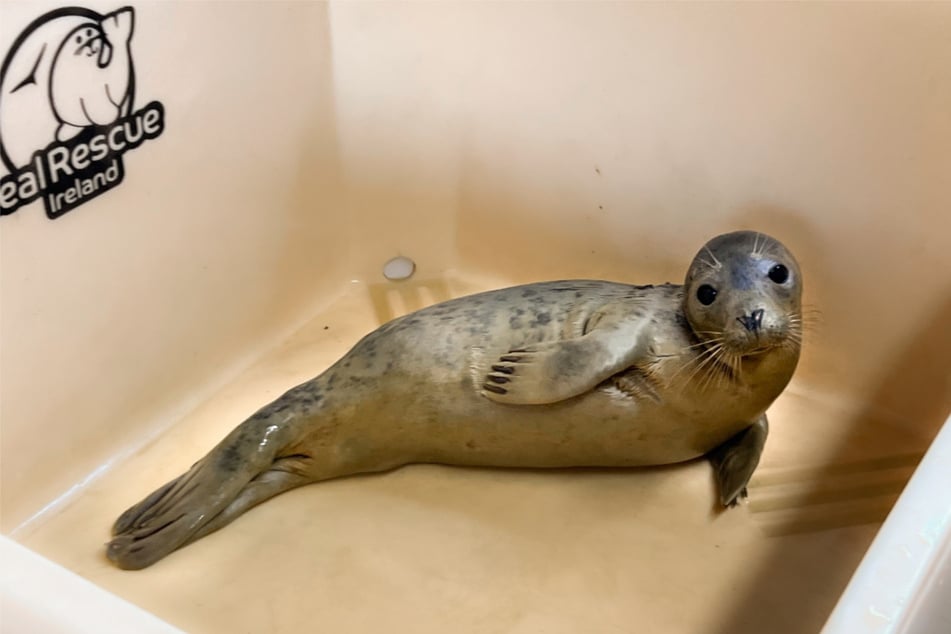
{"x":722,"y":357}
{"x":758,"y":350}
{"x":751,"y":345}
{"x":734,"y":345}
{"x":758,"y":332}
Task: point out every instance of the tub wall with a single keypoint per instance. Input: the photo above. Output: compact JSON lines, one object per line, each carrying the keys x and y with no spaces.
{"x":611,"y":139}
{"x":306,"y":143}
{"x":120,"y":315}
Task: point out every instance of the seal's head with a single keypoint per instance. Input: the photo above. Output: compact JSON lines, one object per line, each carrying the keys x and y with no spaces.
{"x":743,"y":295}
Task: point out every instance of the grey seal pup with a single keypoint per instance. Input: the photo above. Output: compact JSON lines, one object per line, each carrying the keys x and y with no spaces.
{"x":555,"y":374}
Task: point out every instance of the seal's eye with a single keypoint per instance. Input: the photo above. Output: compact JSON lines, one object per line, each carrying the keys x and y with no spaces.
{"x":706,"y":294}
{"x":779,"y":274}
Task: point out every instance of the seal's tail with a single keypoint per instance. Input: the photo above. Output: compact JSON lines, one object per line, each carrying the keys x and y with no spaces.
{"x":242,"y":471}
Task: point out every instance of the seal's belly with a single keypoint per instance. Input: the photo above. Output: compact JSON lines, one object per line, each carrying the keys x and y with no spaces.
{"x":601,"y":428}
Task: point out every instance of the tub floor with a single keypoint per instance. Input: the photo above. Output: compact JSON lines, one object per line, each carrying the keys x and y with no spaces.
{"x":439,"y":549}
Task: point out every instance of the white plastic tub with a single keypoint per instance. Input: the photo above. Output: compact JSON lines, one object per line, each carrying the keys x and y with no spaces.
{"x":302,"y":145}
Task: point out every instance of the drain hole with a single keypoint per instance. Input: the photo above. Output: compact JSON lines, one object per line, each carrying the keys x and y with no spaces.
{"x":399,"y":268}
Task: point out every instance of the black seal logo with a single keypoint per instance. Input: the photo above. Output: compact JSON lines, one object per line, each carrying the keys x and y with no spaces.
{"x":66,"y":109}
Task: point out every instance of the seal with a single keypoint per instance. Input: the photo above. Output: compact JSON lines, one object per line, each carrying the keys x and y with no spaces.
{"x":553,"y":374}
{"x":69,"y":70}
{"x":92,"y":74}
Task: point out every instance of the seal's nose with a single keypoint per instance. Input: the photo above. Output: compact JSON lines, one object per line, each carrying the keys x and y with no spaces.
{"x":752,"y":322}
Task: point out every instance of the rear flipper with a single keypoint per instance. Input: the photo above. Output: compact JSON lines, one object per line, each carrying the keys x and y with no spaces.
{"x":242,"y":471}
{"x":735,"y":460}
{"x":283,"y":476}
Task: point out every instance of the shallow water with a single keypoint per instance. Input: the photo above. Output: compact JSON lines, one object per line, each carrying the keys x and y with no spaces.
{"x":435,"y":549}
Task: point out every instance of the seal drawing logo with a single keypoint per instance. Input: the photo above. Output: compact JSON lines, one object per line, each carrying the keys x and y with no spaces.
{"x":67,"y":86}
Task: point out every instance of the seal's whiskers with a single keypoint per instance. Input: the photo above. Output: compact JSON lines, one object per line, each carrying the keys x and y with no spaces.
{"x":709,"y":360}
{"x":714,"y":372}
{"x":694,"y":359}
{"x":717,"y":265}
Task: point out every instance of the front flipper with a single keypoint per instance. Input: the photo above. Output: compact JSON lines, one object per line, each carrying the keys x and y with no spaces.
{"x":558,"y":370}
{"x":735,"y":460}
